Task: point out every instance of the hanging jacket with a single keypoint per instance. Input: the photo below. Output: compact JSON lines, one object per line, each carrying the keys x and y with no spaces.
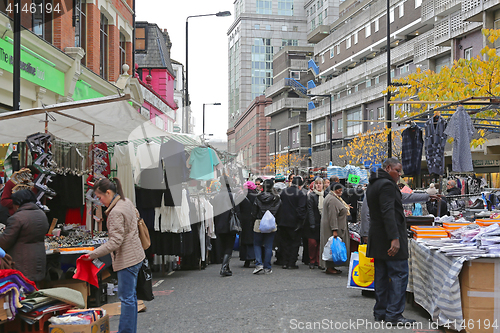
{"x":435,"y":140}
{"x":411,"y":147}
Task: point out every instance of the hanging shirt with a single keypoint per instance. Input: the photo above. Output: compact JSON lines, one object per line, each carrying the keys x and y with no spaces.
{"x":123,"y":160}
{"x":460,"y":128}
{"x":203,"y":161}
{"x":172,"y":153}
{"x":435,"y":140}
{"x":148,"y":156}
{"x":412,"y":150}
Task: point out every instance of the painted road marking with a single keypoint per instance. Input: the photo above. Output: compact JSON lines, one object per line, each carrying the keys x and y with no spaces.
{"x":172,"y":272}
{"x":158,"y":283}
{"x":162,"y":292}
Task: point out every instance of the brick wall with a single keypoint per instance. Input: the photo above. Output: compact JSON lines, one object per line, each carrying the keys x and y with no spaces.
{"x":113,"y":53}
{"x":93,"y":37}
{"x":64,"y":32}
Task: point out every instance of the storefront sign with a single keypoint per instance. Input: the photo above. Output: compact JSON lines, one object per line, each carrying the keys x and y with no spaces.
{"x":33,"y":69}
{"x":485,"y":163}
{"x":84,"y":91}
{"x":353,"y":179}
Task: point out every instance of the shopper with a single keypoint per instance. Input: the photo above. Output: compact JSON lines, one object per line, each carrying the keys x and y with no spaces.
{"x":311,"y":230}
{"x":290,"y":223}
{"x":388,"y":242}
{"x":451,"y":188}
{"x":334,"y":223}
{"x":222,"y":215}
{"x":24,"y":236}
{"x":124,"y":245}
{"x":246,"y":251}
{"x":265,"y":201}
{"x":258,"y":184}
{"x":332,"y":180}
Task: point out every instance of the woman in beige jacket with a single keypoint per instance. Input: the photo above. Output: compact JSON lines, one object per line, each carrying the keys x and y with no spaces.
{"x":124,"y":246}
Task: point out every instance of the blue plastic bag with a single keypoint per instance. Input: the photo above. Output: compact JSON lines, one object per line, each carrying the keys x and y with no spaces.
{"x":339,"y":251}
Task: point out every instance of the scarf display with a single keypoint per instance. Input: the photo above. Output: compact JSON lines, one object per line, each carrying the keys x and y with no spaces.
{"x":320,"y":201}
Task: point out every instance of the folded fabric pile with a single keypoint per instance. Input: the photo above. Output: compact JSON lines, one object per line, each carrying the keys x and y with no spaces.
{"x":78,"y":317}
{"x":45,"y":301}
{"x":13,"y":287}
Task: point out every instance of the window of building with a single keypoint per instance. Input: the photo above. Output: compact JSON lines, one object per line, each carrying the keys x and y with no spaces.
{"x":326,"y":13}
{"x":289,"y":42}
{"x":377,"y":79}
{"x":349,"y":91}
{"x":380,"y":113}
{"x":371,"y":116}
{"x":268,"y":27}
{"x":285,"y":7}
{"x":319,"y":131}
{"x":80,"y":22}
{"x":356,"y":88}
{"x":279,"y":141}
{"x":123,"y":53}
{"x":262,"y":66}
{"x":313,"y":24}
{"x":338,"y":48}
{"x":339,"y":125}
{"x":295,"y":75}
{"x":257,"y":27}
{"x":393,"y":73}
{"x":496,"y":25}
{"x":355,"y":37}
{"x":284,"y":28}
{"x":391,"y":15}
{"x":468,"y":53}
{"x":418,"y":3}
{"x":338,"y":95}
{"x":323,"y":58}
{"x":368,"y":83}
{"x":332,"y":52}
{"x":159,"y":122}
{"x":295,"y":28}
{"x":264,"y":7}
{"x":348,"y":42}
{"x":140,"y":39}
{"x":333,"y":126}
{"x":375,"y":25}
{"x":368,"y":30}
{"x":307,"y":12}
{"x":320,"y":18}
{"x":38,"y":18}
{"x":402,"y":9}
{"x":103,"y":66}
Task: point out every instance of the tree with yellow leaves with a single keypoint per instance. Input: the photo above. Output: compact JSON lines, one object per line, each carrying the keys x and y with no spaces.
{"x":284,"y":162}
{"x":371,"y":146}
{"x":477,"y":77}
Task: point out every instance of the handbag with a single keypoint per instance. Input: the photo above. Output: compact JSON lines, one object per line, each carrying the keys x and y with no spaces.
{"x":144,"y":288}
{"x":234,"y":221}
{"x":143,"y":232}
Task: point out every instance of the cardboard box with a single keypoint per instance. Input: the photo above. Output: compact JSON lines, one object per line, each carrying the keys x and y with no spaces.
{"x":477,"y":287}
{"x":100,"y":326}
{"x":77,"y":285}
{"x":115,"y":309}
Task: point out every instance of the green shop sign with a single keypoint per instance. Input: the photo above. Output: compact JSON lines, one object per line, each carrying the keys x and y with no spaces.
{"x":34,"y":67}
{"x":84,"y":91}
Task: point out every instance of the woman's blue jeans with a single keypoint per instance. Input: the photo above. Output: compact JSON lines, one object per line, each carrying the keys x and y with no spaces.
{"x":127,"y":282}
{"x":266,"y":240}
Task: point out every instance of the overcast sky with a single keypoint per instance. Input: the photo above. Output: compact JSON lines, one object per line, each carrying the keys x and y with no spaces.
{"x":207,"y":53}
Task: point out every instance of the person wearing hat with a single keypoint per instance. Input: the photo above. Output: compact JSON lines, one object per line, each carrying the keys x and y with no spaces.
{"x":24,"y":235}
{"x":279,"y":184}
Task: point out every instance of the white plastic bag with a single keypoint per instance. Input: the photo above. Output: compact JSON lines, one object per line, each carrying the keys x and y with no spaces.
{"x":267,"y":223}
{"x":327,"y":250}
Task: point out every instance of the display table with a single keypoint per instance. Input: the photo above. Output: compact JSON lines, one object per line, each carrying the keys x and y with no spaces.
{"x":434,"y":281}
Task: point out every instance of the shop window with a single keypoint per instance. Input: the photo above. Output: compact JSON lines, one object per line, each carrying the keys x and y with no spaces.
{"x":123,"y":53}
{"x":140,"y":39}
{"x":103,"y":68}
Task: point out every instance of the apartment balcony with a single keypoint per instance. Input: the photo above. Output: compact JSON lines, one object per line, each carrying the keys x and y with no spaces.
{"x":426,"y":49}
{"x":277,"y":88}
{"x":285,"y":103}
{"x":452,"y":26}
{"x":345,"y":103}
{"x":298,"y":64}
{"x":375,"y":66}
{"x":472,"y":9}
{"x":318,"y":34}
{"x":432,"y":8}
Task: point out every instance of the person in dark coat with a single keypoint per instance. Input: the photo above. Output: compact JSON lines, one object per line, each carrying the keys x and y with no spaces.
{"x":311,"y":230}
{"x":290,"y":222}
{"x":24,"y":236}
{"x":451,"y":188}
{"x":265,"y":201}
{"x":222,"y":215}
{"x":388,"y":242}
{"x":246,"y":236}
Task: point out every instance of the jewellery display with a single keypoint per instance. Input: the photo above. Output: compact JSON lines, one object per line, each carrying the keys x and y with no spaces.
{"x":77,"y":237}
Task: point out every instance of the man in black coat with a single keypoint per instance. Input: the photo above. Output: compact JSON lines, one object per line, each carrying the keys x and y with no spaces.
{"x":291,"y":220}
{"x":388,"y":242}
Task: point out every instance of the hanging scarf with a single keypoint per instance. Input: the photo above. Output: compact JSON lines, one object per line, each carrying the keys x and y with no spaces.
{"x":343,"y":202}
{"x":320,"y":201}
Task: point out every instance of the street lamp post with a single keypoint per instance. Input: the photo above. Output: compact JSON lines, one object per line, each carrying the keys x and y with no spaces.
{"x":330,"y":119}
{"x":204,"y":117}
{"x":186,"y":87}
{"x":387,"y":105}
{"x":275,"y":148}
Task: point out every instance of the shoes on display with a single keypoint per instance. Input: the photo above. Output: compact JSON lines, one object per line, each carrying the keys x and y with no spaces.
{"x":258,"y":269}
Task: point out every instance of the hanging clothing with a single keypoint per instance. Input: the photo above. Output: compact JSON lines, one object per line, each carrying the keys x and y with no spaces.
{"x":435,"y":140}
{"x":174,"y":156}
{"x":412,"y":150}
{"x":202,"y":162}
{"x":123,"y":158}
{"x":105,"y":157}
{"x":460,"y":128}
{"x":148,"y":156}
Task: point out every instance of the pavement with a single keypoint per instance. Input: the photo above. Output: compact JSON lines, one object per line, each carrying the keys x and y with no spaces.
{"x":299,"y":300}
